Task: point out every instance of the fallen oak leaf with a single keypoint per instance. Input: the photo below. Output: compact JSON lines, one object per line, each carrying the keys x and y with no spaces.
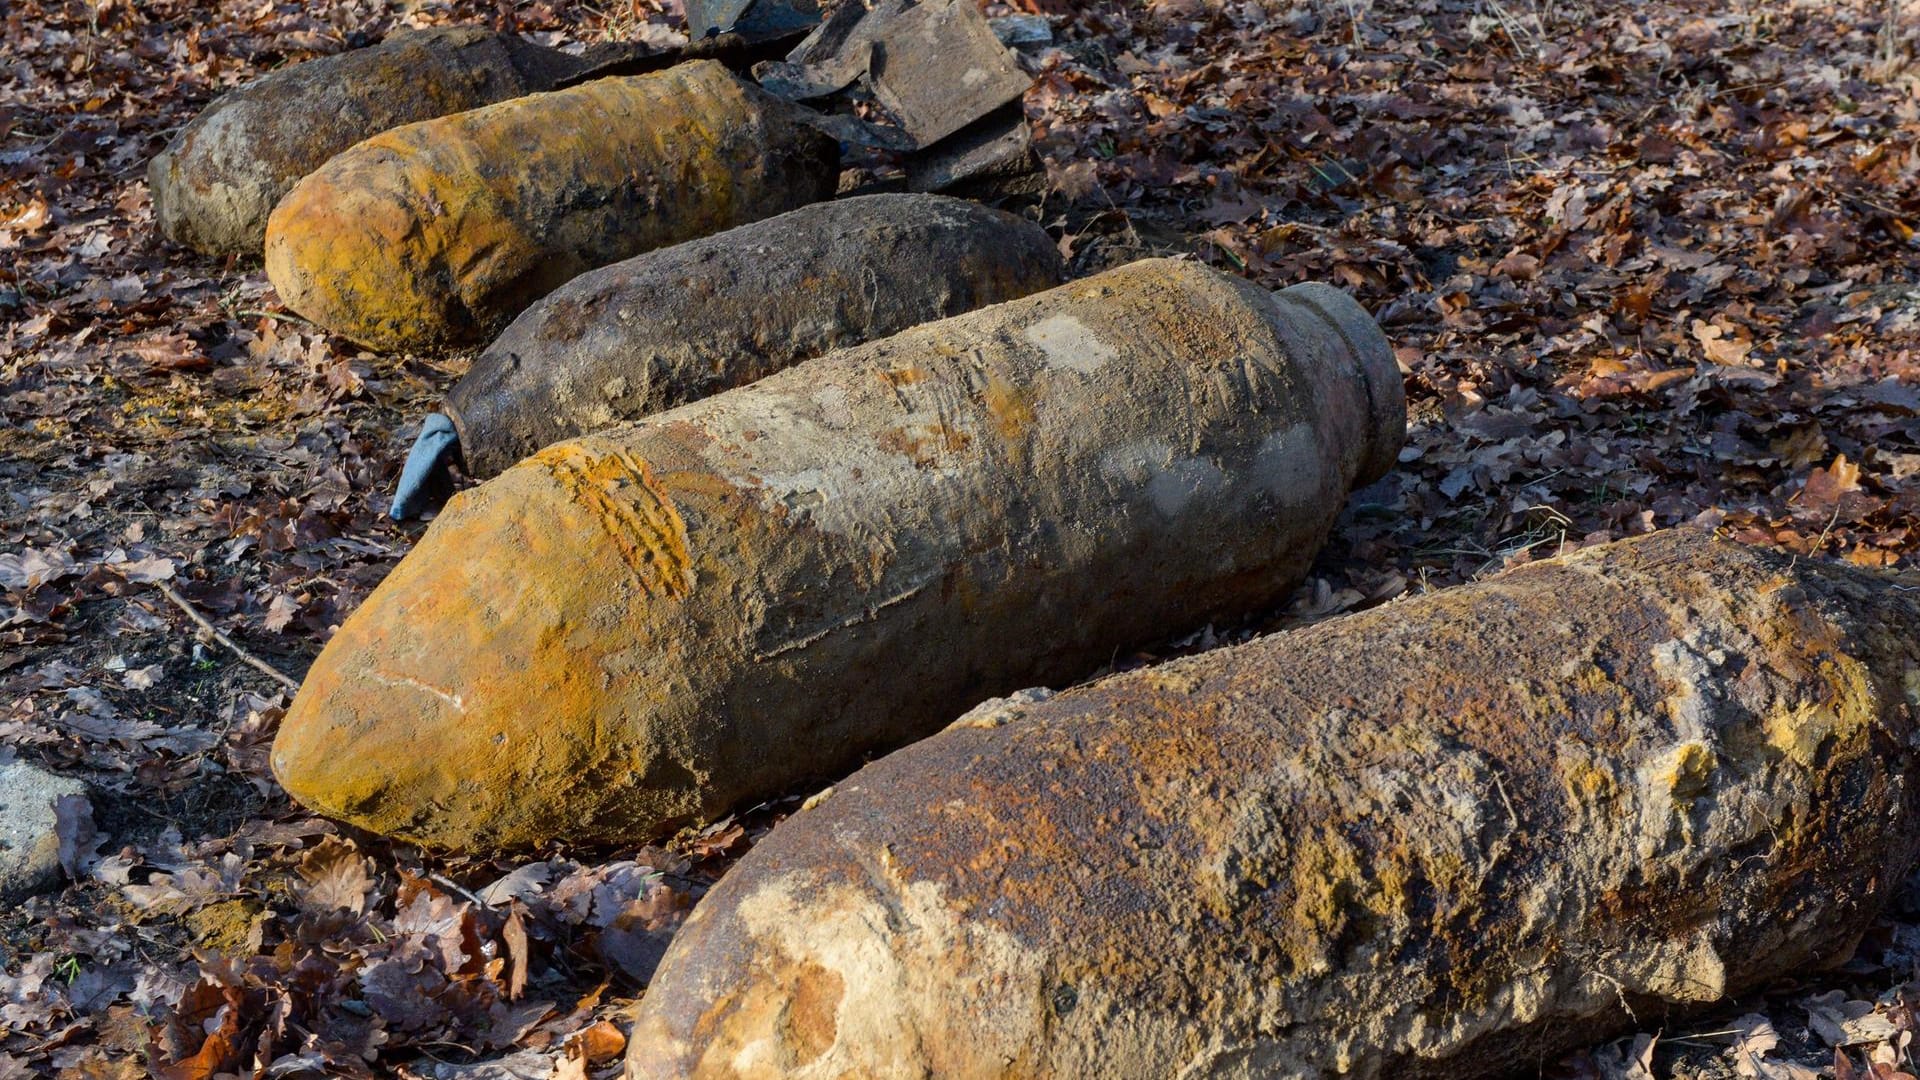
{"x":1719,"y":347}
{"x":600,"y":1042}
{"x":514,"y":934}
{"x":337,"y":877}
{"x":27,"y":217}
{"x":1824,"y":487}
{"x":1518,"y":265}
{"x":527,"y":881}
{"x":170,"y":352}
{"x":145,"y":571}
{"x":280,"y":613}
{"x":79,"y":841}
{"x":34,"y":567}
{"x":201,"y":1037}
{"x":1842,"y":1022}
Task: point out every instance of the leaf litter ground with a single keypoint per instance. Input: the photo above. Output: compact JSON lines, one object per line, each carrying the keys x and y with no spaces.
{"x":1644,"y":265}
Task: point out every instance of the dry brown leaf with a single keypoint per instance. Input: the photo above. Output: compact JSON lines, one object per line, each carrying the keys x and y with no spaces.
{"x":1824,"y":487}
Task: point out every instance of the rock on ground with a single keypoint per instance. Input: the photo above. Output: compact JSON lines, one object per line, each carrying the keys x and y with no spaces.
{"x":29,"y":848}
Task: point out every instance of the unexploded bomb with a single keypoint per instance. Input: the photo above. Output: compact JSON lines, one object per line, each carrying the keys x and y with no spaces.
{"x":1452,"y":837}
{"x":648,"y":625}
{"x":219,"y":178}
{"x":685,"y":322}
{"x":439,"y":232}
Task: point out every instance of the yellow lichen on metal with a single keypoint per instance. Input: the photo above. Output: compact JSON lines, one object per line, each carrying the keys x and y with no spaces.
{"x":621,"y":493}
{"x":1448,"y":837}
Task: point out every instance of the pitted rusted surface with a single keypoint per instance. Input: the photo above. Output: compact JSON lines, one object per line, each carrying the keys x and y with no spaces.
{"x":216,"y":182}
{"x":1448,"y":837}
{"x":438,"y":233}
{"x":689,"y":321}
{"x":868,"y":544}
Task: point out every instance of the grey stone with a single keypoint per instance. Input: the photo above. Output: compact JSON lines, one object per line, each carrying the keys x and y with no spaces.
{"x":29,"y":850}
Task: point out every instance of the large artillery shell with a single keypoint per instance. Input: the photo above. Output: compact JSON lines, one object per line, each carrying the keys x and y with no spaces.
{"x":652,"y":624}
{"x":216,"y":182}
{"x":686,"y":322}
{"x":437,"y":233}
{"x":1452,"y":837}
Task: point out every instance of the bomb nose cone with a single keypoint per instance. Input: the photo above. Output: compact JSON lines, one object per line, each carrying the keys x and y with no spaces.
{"x":465,"y":680}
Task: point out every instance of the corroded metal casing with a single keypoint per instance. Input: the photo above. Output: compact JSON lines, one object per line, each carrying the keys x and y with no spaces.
{"x":1452,"y":837}
{"x":685,"y":322}
{"x":220,"y":176}
{"x":439,"y":232}
{"x":645,"y":626}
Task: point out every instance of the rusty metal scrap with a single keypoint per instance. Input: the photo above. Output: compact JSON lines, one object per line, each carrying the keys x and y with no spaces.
{"x":936,"y":65}
{"x":991,"y":158}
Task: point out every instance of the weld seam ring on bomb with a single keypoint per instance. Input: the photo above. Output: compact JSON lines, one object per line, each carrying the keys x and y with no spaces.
{"x":648,"y":531}
{"x":1379,"y":371}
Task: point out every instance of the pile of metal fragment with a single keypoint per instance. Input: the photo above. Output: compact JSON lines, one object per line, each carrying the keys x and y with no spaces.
{"x":775,"y":479}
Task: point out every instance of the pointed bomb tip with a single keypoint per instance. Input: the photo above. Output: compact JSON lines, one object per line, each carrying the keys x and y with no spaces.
{"x":426,"y":480}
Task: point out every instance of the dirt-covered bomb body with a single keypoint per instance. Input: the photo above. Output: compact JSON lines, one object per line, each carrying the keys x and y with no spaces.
{"x":218,"y":179}
{"x":1451,"y":837}
{"x":685,"y":322}
{"x":644,"y":626}
{"x":438,"y":233}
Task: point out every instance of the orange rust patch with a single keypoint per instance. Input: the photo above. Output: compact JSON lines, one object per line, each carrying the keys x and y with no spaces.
{"x":905,"y":376}
{"x":811,"y":1027}
{"x":1011,"y":409}
{"x":622,"y":494}
{"x":924,"y":443}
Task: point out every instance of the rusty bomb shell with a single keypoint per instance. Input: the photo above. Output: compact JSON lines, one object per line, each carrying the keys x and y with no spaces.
{"x":439,"y":232}
{"x":686,"y":322}
{"x":649,"y":625}
{"x":1449,"y":837}
{"x":220,"y":176}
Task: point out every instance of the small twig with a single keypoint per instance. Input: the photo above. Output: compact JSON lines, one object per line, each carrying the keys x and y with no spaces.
{"x":1698,"y":1036}
{"x":1619,"y":991}
{"x":256,"y":313}
{"x":201,"y":621}
{"x":452,"y":886}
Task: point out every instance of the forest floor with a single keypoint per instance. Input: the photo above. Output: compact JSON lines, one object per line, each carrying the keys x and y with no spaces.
{"x":1644,"y":264}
